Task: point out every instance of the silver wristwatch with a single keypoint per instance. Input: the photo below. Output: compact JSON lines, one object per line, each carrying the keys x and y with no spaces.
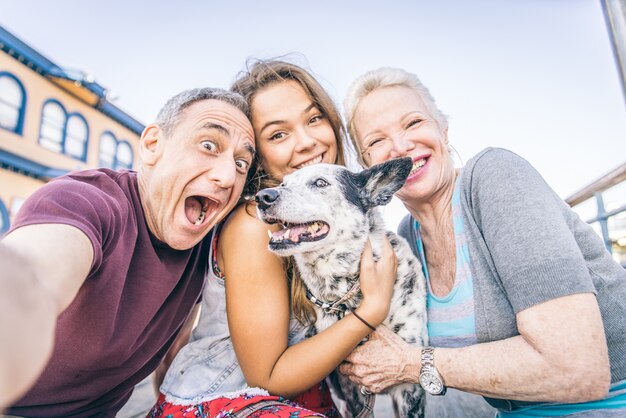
{"x":430,"y":379}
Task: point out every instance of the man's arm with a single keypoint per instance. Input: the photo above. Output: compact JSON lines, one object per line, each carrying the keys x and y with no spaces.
{"x":41,"y":269}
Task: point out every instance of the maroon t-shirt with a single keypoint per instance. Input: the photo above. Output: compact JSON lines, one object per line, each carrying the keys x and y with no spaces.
{"x":131,"y":306}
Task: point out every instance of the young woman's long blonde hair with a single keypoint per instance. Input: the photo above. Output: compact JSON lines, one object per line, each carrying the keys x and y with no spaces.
{"x":261,"y":74}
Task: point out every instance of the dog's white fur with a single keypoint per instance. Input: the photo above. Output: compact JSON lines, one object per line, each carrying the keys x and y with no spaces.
{"x":329,"y":266}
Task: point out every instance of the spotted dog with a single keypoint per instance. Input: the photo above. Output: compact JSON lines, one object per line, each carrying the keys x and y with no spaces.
{"x":327,"y":214}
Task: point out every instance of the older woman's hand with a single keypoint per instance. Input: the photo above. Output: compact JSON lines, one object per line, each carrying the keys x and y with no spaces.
{"x":385,"y":360}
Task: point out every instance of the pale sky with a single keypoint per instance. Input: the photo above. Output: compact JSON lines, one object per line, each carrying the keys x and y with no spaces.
{"x":535,"y":76}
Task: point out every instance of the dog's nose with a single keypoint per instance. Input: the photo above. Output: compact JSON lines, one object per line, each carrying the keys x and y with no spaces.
{"x":266,"y":197}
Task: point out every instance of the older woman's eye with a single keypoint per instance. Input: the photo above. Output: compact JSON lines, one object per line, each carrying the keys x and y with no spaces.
{"x":414,"y":122}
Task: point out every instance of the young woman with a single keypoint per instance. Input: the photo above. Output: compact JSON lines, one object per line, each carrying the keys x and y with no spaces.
{"x":525,"y":305}
{"x":296,"y":124}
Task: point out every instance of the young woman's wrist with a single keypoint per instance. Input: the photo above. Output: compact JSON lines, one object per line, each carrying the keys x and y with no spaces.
{"x":373,"y":313}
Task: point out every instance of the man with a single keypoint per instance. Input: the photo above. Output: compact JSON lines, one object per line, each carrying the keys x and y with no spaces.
{"x":102,"y":268}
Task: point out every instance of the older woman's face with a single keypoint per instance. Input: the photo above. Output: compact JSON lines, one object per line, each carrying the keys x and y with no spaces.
{"x":393,"y":122}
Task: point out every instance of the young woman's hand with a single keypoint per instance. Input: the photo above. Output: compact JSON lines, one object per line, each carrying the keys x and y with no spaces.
{"x":377,"y":280}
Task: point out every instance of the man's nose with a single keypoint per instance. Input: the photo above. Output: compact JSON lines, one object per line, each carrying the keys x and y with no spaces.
{"x":224,"y":174}
{"x":266,"y":197}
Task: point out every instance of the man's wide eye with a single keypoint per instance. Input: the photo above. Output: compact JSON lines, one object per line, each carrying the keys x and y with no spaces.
{"x":321,"y":183}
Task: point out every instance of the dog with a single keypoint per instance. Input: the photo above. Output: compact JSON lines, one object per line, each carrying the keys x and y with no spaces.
{"x":327,"y":214}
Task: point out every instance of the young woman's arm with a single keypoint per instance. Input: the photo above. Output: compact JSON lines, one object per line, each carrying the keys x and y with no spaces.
{"x":257,"y":300}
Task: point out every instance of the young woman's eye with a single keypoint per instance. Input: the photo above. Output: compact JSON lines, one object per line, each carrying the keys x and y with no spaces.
{"x":209,"y":145}
{"x":277,"y":136}
{"x":321,"y":183}
{"x":315,"y":119}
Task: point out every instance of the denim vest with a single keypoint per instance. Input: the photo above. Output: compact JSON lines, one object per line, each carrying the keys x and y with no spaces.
{"x":207,"y":368}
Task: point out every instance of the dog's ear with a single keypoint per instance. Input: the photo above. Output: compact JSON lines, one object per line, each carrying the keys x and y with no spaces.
{"x":378,"y":183}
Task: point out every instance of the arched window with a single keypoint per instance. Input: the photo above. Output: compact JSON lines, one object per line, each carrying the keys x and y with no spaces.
{"x":108,"y":147}
{"x":115,"y":153}
{"x":12,"y":103}
{"x":124,"y":155}
{"x":52,"y":132}
{"x":63,"y":133}
{"x":4,"y":218}
{"x":76,"y":135}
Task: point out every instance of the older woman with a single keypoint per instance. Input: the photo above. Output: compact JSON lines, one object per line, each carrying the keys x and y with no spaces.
{"x":525,"y":305}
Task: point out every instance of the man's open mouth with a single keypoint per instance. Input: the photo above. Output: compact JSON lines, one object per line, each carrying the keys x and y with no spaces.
{"x":294,"y":234}
{"x":196,"y":208}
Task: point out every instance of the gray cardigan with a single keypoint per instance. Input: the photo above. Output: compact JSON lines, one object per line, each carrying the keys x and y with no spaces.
{"x":526,"y":247}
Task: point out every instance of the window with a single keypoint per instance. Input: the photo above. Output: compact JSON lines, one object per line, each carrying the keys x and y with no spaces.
{"x":114,"y":153}
{"x":53,"y":118}
{"x":12,"y":103}
{"x":62,"y":132}
{"x":108,"y":146}
{"x":76,"y":135}
{"x":4,"y":218}
{"x":124,"y":155}
{"x":16,"y":204}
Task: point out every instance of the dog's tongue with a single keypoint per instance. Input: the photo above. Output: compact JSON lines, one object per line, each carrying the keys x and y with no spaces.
{"x":193,"y":207}
{"x":292,"y":233}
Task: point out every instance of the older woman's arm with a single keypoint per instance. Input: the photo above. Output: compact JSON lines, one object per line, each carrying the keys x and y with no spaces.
{"x":559,"y":356}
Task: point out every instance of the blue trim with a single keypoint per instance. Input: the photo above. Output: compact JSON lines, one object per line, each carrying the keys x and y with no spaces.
{"x":4,"y":214}
{"x":19,"y":128}
{"x":22,"y":165}
{"x":83,"y":158}
{"x":118,"y":115}
{"x":13,"y":46}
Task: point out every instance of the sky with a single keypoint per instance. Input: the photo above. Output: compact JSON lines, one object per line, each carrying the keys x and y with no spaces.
{"x":537,"y":77}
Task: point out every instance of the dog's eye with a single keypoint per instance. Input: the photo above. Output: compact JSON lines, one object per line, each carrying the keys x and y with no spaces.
{"x":321,"y":183}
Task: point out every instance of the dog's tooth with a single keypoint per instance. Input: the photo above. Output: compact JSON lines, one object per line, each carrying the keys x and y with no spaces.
{"x":286,"y":234}
{"x":269,"y":233}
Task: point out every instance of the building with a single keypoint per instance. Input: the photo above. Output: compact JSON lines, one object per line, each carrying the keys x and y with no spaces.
{"x":52,"y":121}
{"x":603,"y":205}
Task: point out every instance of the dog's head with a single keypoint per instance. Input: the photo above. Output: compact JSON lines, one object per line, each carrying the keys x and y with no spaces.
{"x":322,"y":204}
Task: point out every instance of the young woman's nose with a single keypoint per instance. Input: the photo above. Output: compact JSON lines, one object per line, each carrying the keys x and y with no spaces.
{"x":304,"y":140}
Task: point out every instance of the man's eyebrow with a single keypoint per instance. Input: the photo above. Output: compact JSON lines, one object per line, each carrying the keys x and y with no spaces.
{"x":250,"y":149}
{"x":215,"y":126}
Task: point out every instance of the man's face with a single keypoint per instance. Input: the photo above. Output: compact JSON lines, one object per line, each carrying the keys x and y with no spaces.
{"x":193,"y":177}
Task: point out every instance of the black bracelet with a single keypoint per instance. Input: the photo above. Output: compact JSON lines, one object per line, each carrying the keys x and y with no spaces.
{"x":362,"y":320}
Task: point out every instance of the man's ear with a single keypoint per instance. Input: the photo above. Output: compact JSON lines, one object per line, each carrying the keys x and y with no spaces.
{"x":150,"y":144}
{"x":378,"y":183}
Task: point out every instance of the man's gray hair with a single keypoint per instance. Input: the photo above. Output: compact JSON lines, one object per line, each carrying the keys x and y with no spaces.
{"x":169,"y":115}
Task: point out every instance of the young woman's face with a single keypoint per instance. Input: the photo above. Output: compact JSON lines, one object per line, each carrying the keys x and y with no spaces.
{"x":290,"y":131}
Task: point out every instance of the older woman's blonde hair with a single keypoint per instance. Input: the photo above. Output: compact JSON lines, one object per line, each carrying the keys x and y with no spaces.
{"x":377,"y":79}
{"x":262,"y":74}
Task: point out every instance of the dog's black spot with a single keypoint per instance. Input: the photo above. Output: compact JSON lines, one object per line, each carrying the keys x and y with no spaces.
{"x":350,"y":189}
{"x":397,"y":327}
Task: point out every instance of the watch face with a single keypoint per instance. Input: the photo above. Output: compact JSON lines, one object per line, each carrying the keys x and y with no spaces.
{"x":431,"y":383}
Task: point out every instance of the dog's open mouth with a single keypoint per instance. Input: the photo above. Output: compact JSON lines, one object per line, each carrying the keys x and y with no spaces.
{"x":293,"y":234}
